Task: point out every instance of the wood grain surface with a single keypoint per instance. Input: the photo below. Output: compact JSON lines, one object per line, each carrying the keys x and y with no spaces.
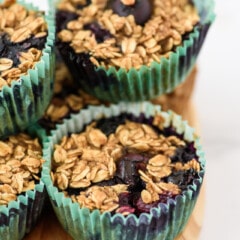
{"x":48,"y":227}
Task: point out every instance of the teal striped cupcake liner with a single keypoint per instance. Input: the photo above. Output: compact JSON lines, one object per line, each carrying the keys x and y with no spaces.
{"x":163,"y":222}
{"x":25,"y":101}
{"x":116,"y":85}
{"x":20,"y":216}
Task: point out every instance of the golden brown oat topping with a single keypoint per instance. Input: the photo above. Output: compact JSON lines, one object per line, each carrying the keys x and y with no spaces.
{"x":131,"y":45}
{"x":192,"y":164}
{"x":102,"y":198}
{"x":18,"y":24}
{"x":20,"y":165}
{"x":91,"y":157}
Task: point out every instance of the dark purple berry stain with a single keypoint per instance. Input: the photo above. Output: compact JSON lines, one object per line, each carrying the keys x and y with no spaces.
{"x":130,"y":162}
{"x":11,"y":50}
{"x":142,"y":207}
{"x":100,"y":34}
{"x":184,"y":154}
{"x":141,"y":10}
{"x":110,"y":126}
{"x":182,"y":178}
{"x":62,"y":19}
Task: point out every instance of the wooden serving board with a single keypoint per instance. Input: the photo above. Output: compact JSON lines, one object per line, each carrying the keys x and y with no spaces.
{"x":48,"y":227}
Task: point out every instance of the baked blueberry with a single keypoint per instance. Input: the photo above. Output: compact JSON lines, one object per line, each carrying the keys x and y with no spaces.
{"x":140,"y":9}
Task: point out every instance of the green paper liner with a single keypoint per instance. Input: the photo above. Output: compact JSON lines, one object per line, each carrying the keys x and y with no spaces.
{"x":20,"y":216}
{"x":163,"y":222}
{"x":25,"y":101}
{"x":115,"y":85}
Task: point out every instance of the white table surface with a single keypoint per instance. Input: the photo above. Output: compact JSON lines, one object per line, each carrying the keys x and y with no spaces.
{"x":217,"y":100}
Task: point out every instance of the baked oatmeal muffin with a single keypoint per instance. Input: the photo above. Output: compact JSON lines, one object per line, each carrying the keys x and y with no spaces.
{"x":22,"y":192}
{"x":116,"y":55}
{"x":26,"y":64}
{"x":124,"y":171}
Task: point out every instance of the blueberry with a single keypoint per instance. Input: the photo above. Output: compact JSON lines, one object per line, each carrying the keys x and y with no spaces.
{"x":184,"y":154}
{"x":108,"y":126}
{"x":141,"y":9}
{"x":124,"y":199}
{"x":182,"y":178}
{"x":128,"y":166}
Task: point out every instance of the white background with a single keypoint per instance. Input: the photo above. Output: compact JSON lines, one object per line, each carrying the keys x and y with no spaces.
{"x":217,"y":101}
{"x":217,"y":97}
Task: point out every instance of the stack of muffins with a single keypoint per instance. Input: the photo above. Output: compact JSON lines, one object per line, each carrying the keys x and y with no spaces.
{"x":114,"y":164}
{"x":27,"y":65}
